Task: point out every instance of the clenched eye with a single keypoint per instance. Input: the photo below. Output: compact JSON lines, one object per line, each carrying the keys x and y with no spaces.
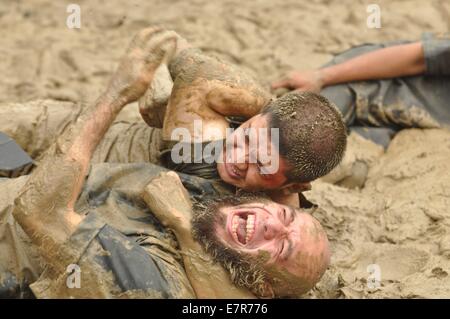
{"x":284,"y":247}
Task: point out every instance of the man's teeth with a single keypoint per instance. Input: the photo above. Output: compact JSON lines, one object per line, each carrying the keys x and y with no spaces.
{"x":234,"y":226}
{"x":250,"y":227}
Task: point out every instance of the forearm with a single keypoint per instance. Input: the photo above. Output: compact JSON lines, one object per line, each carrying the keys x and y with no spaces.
{"x":80,"y":142}
{"x":169,"y":201}
{"x":228,"y":90}
{"x":236,"y":101}
{"x":44,"y":208}
{"x":58,"y":179}
{"x":391,"y":62}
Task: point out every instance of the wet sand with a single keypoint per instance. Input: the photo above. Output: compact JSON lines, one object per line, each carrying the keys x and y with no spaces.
{"x":397,"y":224}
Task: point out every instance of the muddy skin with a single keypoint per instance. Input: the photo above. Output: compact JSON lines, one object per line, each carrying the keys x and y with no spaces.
{"x":44,"y":207}
{"x":153,"y":104}
{"x":49,"y":195}
{"x":36,"y":124}
{"x":169,"y":201}
{"x":351,"y":218}
{"x":208,"y":89}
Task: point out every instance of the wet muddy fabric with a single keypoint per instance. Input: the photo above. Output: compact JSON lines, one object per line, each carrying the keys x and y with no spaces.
{"x":20,"y":264}
{"x":393,"y":104}
{"x":35,"y":125}
{"x":123,"y":250}
{"x":14,"y":161}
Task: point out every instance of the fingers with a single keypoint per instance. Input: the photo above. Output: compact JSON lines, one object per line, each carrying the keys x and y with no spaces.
{"x":162,"y":45}
{"x":141,"y":38}
{"x":284,"y":83}
{"x":155,"y":42}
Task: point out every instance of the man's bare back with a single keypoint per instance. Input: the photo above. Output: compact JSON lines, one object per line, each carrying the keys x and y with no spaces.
{"x":206,"y":89}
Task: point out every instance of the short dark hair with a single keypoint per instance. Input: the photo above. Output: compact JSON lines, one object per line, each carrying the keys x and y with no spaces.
{"x":312,"y":133}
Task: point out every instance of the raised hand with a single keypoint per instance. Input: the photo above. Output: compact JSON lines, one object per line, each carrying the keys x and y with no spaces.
{"x":302,"y":81}
{"x":148,"y":49}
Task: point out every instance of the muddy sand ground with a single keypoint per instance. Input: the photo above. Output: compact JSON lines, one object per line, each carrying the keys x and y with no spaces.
{"x":395,"y":229}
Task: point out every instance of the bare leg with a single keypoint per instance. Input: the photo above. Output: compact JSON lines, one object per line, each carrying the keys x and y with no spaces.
{"x":169,"y":201}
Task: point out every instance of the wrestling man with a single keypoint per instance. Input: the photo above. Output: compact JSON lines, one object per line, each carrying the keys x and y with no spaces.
{"x":312,"y":135}
{"x":111,"y":233}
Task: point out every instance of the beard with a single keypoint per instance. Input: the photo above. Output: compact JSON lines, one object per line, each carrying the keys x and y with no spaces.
{"x":245,"y":271}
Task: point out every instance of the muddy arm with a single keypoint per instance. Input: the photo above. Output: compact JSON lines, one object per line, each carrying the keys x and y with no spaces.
{"x":229,"y":90}
{"x":152,"y":105}
{"x":236,"y":100}
{"x":169,"y":201}
{"x":386,"y":63}
{"x":45,"y":206}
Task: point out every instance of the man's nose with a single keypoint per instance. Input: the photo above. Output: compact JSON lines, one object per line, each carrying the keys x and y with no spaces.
{"x":273,"y":229}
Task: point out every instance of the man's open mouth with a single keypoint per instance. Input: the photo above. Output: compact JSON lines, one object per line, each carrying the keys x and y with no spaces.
{"x":243,"y":227}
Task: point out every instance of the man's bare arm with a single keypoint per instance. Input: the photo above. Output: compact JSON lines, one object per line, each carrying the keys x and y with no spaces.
{"x":168,"y":199}
{"x":229,"y":90}
{"x":45,"y":207}
{"x":396,"y":61}
{"x":231,"y":100}
{"x":152,"y":105}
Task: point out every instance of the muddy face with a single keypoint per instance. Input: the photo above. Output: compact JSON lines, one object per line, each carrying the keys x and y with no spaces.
{"x":250,"y":159}
{"x":293,"y":243}
{"x":267,"y":242}
{"x":279,"y":230}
